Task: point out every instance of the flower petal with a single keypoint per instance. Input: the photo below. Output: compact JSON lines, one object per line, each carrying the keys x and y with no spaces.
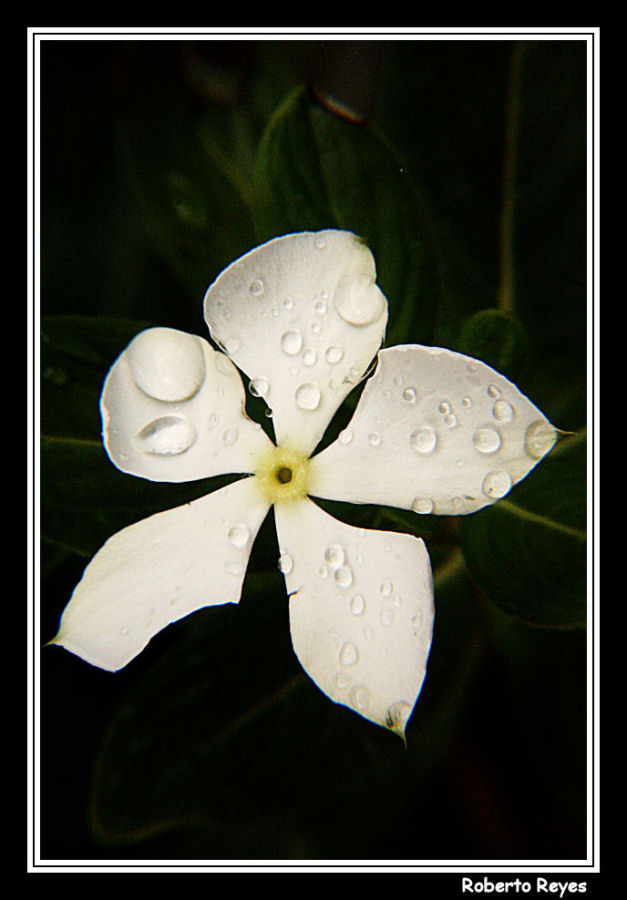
{"x":159,"y":570}
{"x":434,"y":431}
{"x":173,"y":410}
{"x":361,"y":610}
{"x":303,"y":318}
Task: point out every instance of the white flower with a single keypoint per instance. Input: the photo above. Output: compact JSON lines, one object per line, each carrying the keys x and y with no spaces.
{"x":434,"y":431}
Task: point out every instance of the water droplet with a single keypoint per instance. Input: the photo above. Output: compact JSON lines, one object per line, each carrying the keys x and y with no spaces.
{"x":344,"y":577}
{"x":423,"y":505}
{"x":486,"y":440}
{"x":230,"y":436}
{"x":286,"y":563}
{"x":345,"y":436}
{"x":416,"y":622}
{"x":124,"y":630}
{"x":496,"y":484}
{"x":333,"y":354}
{"x":494,"y":391}
{"x":358,"y":605}
{"x":374,"y":439}
{"x":423,"y":440}
{"x":349,"y":654}
{"x":359,"y":696}
{"x":444,"y":407}
{"x":166,"y":436}
{"x":386,"y":616}
{"x":397,"y":715}
{"x":320,"y":307}
{"x":334,"y":555}
{"x":502,"y":411}
{"x":234,"y":567}
{"x":288,"y":303}
{"x":291,"y":342}
{"x":166,"y":364}
{"x":539,"y":438}
{"x":308,"y":396}
{"x":450,"y":420}
{"x":256,"y":287}
{"x":309,"y":357}
{"x":359,"y":301}
{"x":238,"y":535}
{"x":259,"y":386}
{"x":386,"y":588}
{"x":341,"y":680}
{"x":409,"y":395}
{"x":467,"y":402}
{"x":231,"y":345}
{"x":320,"y":241}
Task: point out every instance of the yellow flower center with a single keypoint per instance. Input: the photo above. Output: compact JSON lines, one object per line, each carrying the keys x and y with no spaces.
{"x":282,"y":474}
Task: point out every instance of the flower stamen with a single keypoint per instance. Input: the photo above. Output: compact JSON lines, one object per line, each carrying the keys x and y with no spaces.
{"x":282,"y":474}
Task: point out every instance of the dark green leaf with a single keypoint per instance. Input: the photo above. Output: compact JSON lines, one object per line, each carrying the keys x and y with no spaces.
{"x":497,"y":338}
{"x":318,"y":170}
{"x":528,"y":551}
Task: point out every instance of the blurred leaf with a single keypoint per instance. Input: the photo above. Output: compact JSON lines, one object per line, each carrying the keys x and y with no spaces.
{"x":318,"y":170}
{"x":528,"y":551}
{"x":497,"y":338}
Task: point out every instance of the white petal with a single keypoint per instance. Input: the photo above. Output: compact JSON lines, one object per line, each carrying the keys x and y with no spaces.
{"x":173,"y":410}
{"x":361,"y":610}
{"x":434,"y":431}
{"x":303,"y":318}
{"x":159,"y":570}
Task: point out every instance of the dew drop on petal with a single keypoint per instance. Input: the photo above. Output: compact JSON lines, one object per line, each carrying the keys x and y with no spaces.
{"x":496,"y":484}
{"x":358,"y":605}
{"x":486,"y":440}
{"x":166,"y":364}
{"x":230,"y":436}
{"x":423,"y":440}
{"x":309,"y":357}
{"x":291,"y":342}
{"x":359,"y":301}
{"x":259,"y":386}
{"x":349,"y":654}
{"x":238,"y":535}
{"x":539,"y":438}
{"x":256,"y":287}
{"x":374,"y":439}
{"x":166,"y":436}
{"x":343,"y":576}
{"x":423,"y":505}
{"x":345,"y":436}
{"x":359,"y":696}
{"x":386,"y":617}
{"x":386,"y":588}
{"x":409,"y":395}
{"x":502,"y":411}
{"x":286,"y":563}
{"x":308,"y":396}
{"x":494,"y":391}
{"x":333,"y":354}
{"x":397,"y":715}
{"x":334,"y":555}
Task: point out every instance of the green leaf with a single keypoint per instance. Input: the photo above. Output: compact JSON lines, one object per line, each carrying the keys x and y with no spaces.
{"x":317,"y":170}
{"x":528,"y":552}
{"x":497,"y":338}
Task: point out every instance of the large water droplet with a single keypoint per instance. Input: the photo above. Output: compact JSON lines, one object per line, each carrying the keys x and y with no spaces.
{"x":239,"y":534}
{"x":359,"y":301}
{"x":308,"y":396}
{"x":166,"y":436}
{"x":496,"y":484}
{"x":486,"y":440}
{"x":423,"y":440}
{"x":345,"y":436}
{"x":539,"y":438}
{"x":166,"y":364}
{"x":349,"y":654}
{"x":291,"y":342}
